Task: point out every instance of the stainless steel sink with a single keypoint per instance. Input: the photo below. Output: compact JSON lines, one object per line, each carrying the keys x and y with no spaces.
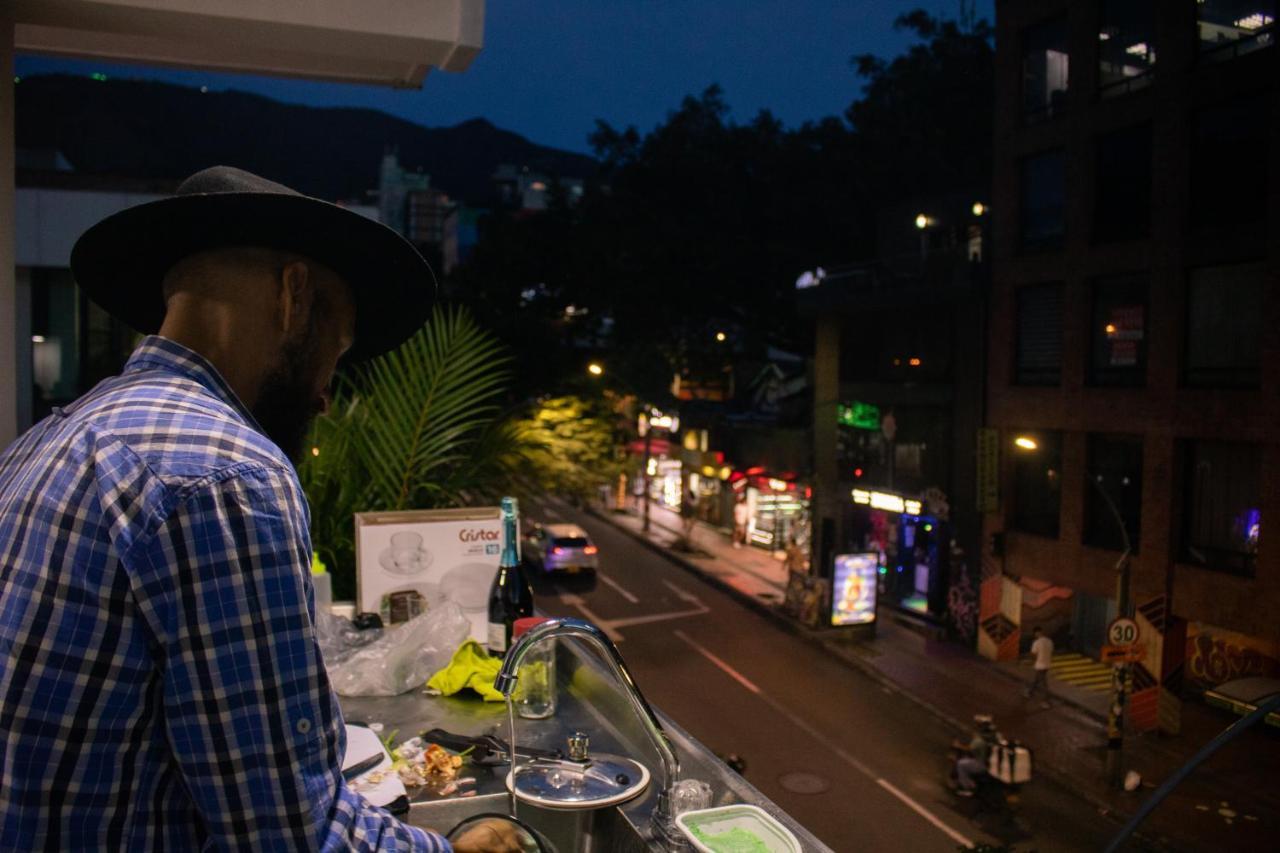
{"x":576,"y":831}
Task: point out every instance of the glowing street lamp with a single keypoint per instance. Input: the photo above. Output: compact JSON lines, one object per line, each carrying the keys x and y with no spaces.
{"x":595,"y":368}
{"x":979,"y":208}
{"x":1026,"y":442}
{"x":922,"y":221}
{"x":720,"y":336}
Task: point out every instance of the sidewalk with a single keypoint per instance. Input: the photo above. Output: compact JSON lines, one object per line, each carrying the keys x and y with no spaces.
{"x":1232,"y":802}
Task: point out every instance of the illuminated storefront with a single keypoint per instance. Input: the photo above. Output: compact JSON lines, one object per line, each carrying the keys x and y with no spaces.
{"x":913,"y":545}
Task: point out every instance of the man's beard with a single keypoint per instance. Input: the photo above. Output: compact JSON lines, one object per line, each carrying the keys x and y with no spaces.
{"x":287,"y":403}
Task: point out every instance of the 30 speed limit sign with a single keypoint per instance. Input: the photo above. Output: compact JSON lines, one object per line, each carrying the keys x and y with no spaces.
{"x":1122,"y":632}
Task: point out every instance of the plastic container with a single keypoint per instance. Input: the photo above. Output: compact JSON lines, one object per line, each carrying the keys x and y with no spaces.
{"x":535,"y":693}
{"x":736,"y":827}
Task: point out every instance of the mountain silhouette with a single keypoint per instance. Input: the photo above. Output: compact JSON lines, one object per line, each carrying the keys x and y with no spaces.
{"x":152,"y":130}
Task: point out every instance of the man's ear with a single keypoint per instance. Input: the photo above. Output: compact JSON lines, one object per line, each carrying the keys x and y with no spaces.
{"x":296,"y":295}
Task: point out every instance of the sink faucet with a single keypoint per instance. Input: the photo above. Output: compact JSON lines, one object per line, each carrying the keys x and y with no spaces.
{"x":567,"y":627}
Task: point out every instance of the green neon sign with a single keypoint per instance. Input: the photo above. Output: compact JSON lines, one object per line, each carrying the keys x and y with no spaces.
{"x":858,"y":415}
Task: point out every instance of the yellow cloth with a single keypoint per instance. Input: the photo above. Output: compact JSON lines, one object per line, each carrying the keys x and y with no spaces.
{"x":471,"y":667}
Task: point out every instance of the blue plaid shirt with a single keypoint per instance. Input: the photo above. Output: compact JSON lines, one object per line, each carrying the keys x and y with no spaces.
{"x":160,"y":683}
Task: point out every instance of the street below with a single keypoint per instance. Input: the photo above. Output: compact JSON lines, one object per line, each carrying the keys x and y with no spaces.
{"x":859,"y":764}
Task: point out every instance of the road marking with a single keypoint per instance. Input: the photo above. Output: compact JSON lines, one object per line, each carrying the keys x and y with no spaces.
{"x":617,"y":587}
{"x":804,"y":726}
{"x":681,"y":594}
{"x":656,"y":617}
{"x":924,"y":813}
{"x":733,"y":673}
{"x":576,"y":601}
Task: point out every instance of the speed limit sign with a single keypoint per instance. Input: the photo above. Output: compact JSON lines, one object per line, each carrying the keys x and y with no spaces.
{"x":1122,"y":632}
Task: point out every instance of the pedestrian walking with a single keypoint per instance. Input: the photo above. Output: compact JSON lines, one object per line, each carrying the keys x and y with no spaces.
{"x":741,"y":515}
{"x":1042,"y":657}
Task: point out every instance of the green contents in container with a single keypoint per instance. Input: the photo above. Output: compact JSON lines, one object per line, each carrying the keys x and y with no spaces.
{"x":736,"y":840}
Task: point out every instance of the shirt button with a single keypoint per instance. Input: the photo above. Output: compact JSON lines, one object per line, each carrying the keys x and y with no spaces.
{"x":303,"y":726}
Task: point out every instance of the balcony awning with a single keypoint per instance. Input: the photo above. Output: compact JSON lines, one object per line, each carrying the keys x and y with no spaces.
{"x":380,"y":42}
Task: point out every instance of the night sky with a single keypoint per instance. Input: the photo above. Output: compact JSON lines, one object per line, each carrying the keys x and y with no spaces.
{"x":550,"y":69}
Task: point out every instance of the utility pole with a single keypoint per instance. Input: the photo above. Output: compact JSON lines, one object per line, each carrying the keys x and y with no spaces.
{"x":1120,"y":671}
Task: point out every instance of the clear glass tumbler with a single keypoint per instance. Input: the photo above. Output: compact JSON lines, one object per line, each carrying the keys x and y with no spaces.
{"x":535,"y":691}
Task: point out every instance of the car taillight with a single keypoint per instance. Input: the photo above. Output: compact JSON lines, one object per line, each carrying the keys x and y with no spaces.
{"x":557,"y":551}
{"x":590,"y":549}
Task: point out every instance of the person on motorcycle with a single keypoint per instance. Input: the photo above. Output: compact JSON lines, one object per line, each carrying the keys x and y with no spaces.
{"x":972,"y":757}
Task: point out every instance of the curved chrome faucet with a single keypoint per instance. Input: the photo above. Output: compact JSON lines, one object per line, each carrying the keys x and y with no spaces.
{"x":568,"y":627}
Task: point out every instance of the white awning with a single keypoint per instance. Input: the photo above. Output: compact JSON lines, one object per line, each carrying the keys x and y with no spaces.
{"x":382,"y":42}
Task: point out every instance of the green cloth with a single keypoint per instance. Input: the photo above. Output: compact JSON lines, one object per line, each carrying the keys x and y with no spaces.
{"x":471,"y":667}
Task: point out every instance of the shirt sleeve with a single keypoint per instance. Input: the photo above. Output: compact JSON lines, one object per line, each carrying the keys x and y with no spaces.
{"x":254,"y":726}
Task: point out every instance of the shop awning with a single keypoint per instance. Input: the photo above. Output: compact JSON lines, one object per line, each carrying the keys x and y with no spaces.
{"x":657,"y":447}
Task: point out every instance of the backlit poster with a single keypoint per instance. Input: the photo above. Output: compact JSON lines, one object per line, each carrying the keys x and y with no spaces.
{"x":853,"y":589}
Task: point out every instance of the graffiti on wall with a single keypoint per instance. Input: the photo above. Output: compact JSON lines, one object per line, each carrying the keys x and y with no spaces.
{"x":1215,"y":656}
{"x":962,"y":599}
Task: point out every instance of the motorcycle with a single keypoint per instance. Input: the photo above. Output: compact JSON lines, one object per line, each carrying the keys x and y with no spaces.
{"x":995,"y":801}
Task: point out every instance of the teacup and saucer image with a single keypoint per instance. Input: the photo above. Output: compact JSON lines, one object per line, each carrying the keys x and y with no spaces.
{"x":405,"y":555}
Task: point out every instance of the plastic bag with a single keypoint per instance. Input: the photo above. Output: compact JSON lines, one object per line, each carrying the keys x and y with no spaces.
{"x":400,"y":658}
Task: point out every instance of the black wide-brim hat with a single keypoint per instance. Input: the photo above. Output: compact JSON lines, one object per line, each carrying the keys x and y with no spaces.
{"x":121,"y":261}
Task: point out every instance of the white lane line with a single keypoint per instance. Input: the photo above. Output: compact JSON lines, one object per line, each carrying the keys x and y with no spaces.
{"x":924,"y":813}
{"x":655,"y":617}
{"x":733,"y":673}
{"x":842,"y":754}
{"x":617,"y":587}
{"x":681,"y":594}
{"x":603,"y":625}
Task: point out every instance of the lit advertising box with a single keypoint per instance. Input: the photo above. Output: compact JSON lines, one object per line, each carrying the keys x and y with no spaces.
{"x":853,"y":589}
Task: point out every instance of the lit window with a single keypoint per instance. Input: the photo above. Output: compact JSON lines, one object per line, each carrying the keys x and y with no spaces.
{"x":1126,"y":45}
{"x":1222,"y":517}
{"x":1119,"y":331}
{"x":1229,"y":28}
{"x":1045,"y":66}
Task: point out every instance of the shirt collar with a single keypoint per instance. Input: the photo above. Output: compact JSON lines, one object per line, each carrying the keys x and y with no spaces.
{"x":160,"y":353}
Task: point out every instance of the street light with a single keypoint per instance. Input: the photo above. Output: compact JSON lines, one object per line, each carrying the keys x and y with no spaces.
{"x":648,"y":420}
{"x":720,"y":336}
{"x":1120,"y":673}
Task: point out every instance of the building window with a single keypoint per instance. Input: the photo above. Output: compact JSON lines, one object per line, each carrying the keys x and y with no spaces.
{"x":1224,"y":327}
{"x":1229,"y":28}
{"x":1222,"y":516}
{"x":1122,"y":185}
{"x":1044,"y":69}
{"x":1229,"y":154}
{"x":1037,"y":482}
{"x":1113,"y":488}
{"x":1126,"y":45}
{"x":1038,"y":359}
{"x":1043,"y":200}
{"x":1118,"y":354}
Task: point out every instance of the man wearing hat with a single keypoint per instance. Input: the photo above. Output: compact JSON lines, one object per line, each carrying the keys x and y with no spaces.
{"x":160,"y":682}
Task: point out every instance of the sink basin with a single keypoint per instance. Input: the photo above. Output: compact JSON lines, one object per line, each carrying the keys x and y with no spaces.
{"x":578,"y":831}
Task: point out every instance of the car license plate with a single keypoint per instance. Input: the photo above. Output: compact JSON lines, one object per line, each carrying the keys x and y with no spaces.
{"x":572,"y":570}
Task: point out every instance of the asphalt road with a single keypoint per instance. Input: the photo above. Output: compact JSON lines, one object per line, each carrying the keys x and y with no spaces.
{"x":861,"y":766}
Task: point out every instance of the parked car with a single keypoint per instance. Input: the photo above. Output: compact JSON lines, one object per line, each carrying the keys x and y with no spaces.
{"x":562,"y":548}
